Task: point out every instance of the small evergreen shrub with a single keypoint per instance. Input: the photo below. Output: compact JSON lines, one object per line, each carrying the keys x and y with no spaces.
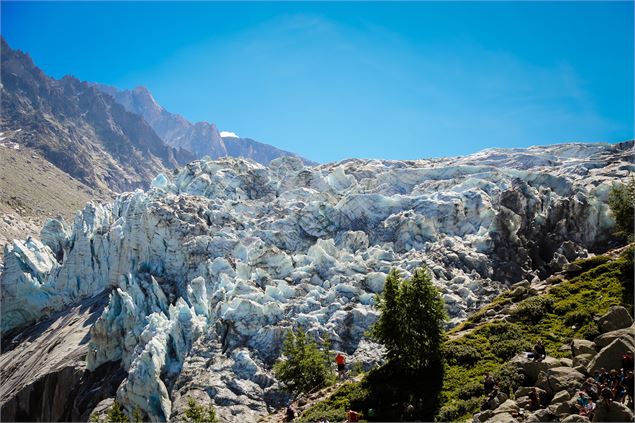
{"x":116,"y":415}
{"x":306,"y":366}
{"x":197,"y":413}
{"x":532,"y":310}
{"x":460,"y":353}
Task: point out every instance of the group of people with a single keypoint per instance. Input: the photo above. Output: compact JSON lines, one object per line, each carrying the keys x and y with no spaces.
{"x":606,"y":386}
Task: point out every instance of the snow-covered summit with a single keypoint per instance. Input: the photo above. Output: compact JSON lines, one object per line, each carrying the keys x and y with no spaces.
{"x":210,"y":268}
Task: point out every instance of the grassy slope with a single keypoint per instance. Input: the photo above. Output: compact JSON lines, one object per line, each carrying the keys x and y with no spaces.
{"x":564,"y":313}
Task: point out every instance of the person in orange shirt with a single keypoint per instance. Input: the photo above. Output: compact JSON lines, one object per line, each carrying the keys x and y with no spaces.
{"x":352,"y":416}
{"x":340,"y":360}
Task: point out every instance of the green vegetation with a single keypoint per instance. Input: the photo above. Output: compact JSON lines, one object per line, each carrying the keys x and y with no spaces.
{"x":411,"y":328}
{"x":566,"y":312}
{"x":306,"y":367}
{"x":622,"y":201}
{"x":136,"y":415}
{"x":116,"y":414}
{"x":411,"y":322}
{"x":197,"y":413}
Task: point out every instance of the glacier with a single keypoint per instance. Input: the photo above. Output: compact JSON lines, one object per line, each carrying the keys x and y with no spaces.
{"x":207,"y":270}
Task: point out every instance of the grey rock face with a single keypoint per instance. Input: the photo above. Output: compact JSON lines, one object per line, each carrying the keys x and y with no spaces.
{"x":557,"y":379}
{"x":610,"y":357}
{"x":614,"y":319}
{"x":608,"y":337}
{"x":209,"y":269}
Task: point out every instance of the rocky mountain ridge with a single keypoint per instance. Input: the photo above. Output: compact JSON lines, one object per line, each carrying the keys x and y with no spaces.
{"x":200,"y":138}
{"x":79,"y":129}
{"x":208,"y":269}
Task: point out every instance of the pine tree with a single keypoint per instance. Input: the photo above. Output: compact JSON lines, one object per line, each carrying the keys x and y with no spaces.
{"x":385,"y":330}
{"x":411,"y":322}
{"x":306,"y":367}
{"x":622,"y":203}
{"x":116,"y":414}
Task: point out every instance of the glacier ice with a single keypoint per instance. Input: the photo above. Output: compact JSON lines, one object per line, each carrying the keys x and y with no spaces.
{"x":209,"y":268}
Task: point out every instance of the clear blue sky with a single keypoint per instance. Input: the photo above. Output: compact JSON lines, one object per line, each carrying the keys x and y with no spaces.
{"x":337,"y":80}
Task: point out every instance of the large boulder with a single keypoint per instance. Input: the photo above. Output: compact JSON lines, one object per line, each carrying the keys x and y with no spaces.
{"x":583,"y":346}
{"x":531,"y":369}
{"x":559,"y":378}
{"x":582,"y":360}
{"x":608,"y":337}
{"x":610,"y":357}
{"x":508,"y":406}
{"x":613,"y":412}
{"x":562,"y":396}
{"x":502,"y":418}
{"x":544,"y":415}
{"x":616,"y":318}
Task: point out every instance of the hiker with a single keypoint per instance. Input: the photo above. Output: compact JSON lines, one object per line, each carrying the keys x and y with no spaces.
{"x":534,"y":400}
{"x":607,"y":396}
{"x":290,"y":413}
{"x":539,"y":351}
{"x":591,"y":388}
{"x":488,"y":383}
{"x":340,"y":360}
{"x":589,"y":409}
{"x":352,"y":416}
{"x":628,"y":383}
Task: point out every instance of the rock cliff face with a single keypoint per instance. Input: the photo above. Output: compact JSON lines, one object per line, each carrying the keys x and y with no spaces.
{"x":200,"y":138}
{"x":79,"y":129}
{"x":210,"y":267}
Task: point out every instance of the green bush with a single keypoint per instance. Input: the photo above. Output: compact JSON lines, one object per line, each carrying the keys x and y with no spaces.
{"x":532,"y":310}
{"x":457,"y":409}
{"x":306,"y":367}
{"x":509,"y":378}
{"x":470,"y":390}
{"x":197,"y":413}
{"x":116,"y":415}
{"x":460,"y":353}
{"x":508,"y":348}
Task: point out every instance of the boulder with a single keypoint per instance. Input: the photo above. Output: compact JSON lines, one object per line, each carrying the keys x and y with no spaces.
{"x":562,"y":408}
{"x":544,"y":415}
{"x":610,"y":357}
{"x":614,"y":412}
{"x":583,"y":346}
{"x":559,"y":378}
{"x":582,"y":360}
{"x":502,"y":418}
{"x":566,"y":362}
{"x":561,"y":396}
{"x":531,"y":369}
{"x":482,"y":416}
{"x":575,"y":418}
{"x":523,"y":391}
{"x":608,"y":337}
{"x":509,"y":406}
{"x":616,"y":318}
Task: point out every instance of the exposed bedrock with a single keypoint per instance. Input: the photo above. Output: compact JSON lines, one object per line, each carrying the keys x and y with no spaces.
{"x":207,"y":271}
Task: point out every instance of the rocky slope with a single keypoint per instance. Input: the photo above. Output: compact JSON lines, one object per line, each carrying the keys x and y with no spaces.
{"x":210,"y":268}
{"x":33,"y":190}
{"x":79,"y":129}
{"x":200,"y":138}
